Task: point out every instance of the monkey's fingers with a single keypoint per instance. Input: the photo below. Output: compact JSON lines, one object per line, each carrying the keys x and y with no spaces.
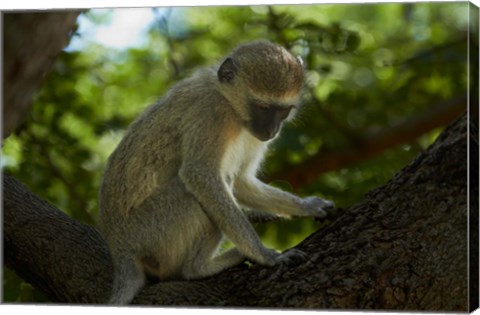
{"x":317,"y":207}
{"x":331,"y":214}
{"x":327,"y":204}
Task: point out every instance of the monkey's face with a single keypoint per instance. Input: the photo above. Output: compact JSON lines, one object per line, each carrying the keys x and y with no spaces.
{"x":262,"y":81}
{"x":266,"y":119}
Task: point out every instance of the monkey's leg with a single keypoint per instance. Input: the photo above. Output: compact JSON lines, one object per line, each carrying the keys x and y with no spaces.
{"x":211,"y":266}
{"x":200,"y":263}
{"x":128,"y":279}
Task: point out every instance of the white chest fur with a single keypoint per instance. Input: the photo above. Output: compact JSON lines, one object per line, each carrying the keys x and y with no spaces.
{"x":242,"y":156}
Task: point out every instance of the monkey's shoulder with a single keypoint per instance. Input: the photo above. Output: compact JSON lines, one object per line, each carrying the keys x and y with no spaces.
{"x":192,"y":102}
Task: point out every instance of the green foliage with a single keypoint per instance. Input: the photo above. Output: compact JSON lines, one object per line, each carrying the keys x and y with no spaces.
{"x":368,"y":67}
{"x":15,"y":290}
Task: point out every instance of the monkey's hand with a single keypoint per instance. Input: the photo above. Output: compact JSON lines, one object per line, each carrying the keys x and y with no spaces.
{"x":318,"y":207}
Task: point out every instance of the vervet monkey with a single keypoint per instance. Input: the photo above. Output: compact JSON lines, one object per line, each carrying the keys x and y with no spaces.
{"x":174,"y":185}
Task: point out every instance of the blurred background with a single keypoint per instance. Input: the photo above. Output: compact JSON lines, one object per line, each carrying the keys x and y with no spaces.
{"x":382,"y":82}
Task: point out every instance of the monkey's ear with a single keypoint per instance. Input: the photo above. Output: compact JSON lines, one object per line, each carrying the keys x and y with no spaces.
{"x":227,"y":71}
{"x":300,"y":61}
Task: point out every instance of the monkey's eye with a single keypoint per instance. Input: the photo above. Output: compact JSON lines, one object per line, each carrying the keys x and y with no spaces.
{"x":263,"y":108}
{"x":284,"y":111}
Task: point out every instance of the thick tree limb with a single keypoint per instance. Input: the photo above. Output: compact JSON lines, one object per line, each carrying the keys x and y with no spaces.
{"x":373,"y":143}
{"x":403,"y":247}
{"x":31,"y":43}
{"x":65,"y":259}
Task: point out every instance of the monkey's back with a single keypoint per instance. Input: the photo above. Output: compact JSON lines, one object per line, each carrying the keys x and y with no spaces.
{"x":149,"y":156}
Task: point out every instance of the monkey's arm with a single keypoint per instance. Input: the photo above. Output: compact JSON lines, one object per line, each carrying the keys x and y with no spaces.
{"x":212,"y":194}
{"x":253,"y":193}
{"x":200,"y":173}
{"x":255,"y":216}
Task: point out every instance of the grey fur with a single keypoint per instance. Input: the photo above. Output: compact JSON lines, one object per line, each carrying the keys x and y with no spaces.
{"x":172,"y":187}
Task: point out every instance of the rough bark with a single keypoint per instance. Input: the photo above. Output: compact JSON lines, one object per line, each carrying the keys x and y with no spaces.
{"x":31,"y":43}
{"x":65,"y":259}
{"x":404,"y":247}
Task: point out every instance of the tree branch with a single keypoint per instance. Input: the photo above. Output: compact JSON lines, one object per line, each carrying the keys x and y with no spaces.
{"x":403,"y":247}
{"x":31,"y":43}
{"x":65,"y":259}
{"x":372,"y":143}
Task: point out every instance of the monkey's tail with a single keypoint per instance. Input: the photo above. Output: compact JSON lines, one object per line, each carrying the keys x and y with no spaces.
{"x":128,"y":279}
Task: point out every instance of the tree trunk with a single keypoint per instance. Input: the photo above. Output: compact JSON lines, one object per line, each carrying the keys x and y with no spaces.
{"x":404,"y":247}
{"x":31,"y":43}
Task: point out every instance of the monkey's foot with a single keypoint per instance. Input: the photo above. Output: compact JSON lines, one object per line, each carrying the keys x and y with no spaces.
{"x":292,"y":257}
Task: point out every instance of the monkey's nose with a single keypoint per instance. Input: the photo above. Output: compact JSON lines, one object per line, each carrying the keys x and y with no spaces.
{"x":272,"y":131}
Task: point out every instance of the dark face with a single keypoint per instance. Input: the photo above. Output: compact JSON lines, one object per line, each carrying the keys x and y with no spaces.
{"x":266,"y":119}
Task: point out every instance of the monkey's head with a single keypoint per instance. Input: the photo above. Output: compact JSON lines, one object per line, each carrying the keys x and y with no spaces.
{"x":263,"y":82}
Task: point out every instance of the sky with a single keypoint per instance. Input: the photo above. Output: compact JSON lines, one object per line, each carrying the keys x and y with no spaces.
{"x":125,"y":28}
